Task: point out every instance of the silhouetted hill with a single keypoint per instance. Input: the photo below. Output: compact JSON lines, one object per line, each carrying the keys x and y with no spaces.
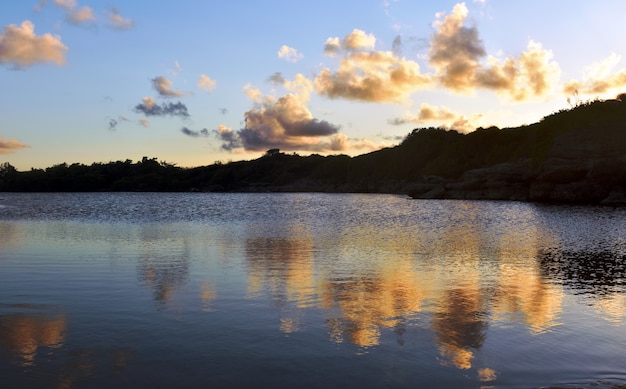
{"x":576,"y":155}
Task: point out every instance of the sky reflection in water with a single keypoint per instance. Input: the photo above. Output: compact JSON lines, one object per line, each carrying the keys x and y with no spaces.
{"x":138,"y":289}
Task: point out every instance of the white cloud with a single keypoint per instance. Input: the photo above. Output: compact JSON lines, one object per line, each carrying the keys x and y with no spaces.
{"x":289,"y":54}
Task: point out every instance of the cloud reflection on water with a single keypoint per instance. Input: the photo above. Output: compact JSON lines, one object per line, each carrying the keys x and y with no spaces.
{"x":456,"y":277}
{"x":24,"y":335}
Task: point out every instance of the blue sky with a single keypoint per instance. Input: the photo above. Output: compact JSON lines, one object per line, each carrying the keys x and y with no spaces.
{"x":194,"y":82}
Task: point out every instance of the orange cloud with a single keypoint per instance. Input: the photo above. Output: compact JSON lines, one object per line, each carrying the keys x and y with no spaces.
{"x":356,"y":40}
{"x":73,"y":14}
{"x":599,"y":78}
{"x":455,"y":50}
{"x":359,"y":40}
{"x":206,"y":83}
{"x":79,"y":16}
{"x":441,"y":116}
{"x":456,"y":53}
{"x":21,"y":47}
{"x":8,"y":146}
{"x":373,"y":76}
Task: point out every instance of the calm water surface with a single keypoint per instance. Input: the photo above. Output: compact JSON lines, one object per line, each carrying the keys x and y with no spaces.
{"x":308,"y":290}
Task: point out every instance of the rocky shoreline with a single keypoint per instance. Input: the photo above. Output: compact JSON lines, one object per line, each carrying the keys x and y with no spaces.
{"x":579,"y":167}
{"x":520,"y":182}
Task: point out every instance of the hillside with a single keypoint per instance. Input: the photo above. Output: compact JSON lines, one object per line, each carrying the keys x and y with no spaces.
{"x":573,"y":156}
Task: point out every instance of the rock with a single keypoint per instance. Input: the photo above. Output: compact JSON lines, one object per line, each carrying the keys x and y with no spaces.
{"x":436,"y":192}
{"x":617,"y":196}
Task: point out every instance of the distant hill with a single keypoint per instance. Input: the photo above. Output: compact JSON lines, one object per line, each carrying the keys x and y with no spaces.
{"x":572,"y":156}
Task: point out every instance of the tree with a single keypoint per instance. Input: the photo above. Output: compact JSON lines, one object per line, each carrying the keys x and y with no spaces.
{"x":7,"y":176}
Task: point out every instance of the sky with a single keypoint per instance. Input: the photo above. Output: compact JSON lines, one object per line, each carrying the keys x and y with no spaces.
{"x":196,"y":82}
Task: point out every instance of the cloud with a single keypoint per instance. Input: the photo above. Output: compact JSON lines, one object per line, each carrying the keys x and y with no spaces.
{"x":276,"y":79}
{"x":365,"y":74}
{"x":149,"y":108}
{"x":341,"y":142}
{"x":376,"y":76}
{"x":113,"y":124}
{"x":301,"y":86}
{"x":206,"y":83}
{"x":204,"y":132}
{"x":163,"y":86}
{"x":532,"y":75}
{"x":66,"y":4}
{"x":176,"y":70}
{"x":358,"y":40}
{"x":289,"y":54}
{"x":283,"y":122}
{"x":598,"y":78}
{"x":8,"y":146}
{"x":427,"y":113}
{"x":39,"y":6}
{"x":21,"y":47}
{"x":332,"y":46}
{"x":80,"y":16}
{"x":286,"y":123}
{"x":229,"y":138}
{"x":144,"y":122}
{"x":117,"y":21}
{"x":456,"y":52}
{"x":396,"y":46}
{"x":441,"y":116}
{"x":73,"y":14}
{"x":392,"y":138}
{"x":355,"y":41}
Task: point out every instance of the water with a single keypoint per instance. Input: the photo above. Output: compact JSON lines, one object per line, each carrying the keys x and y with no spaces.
{"x":308,"y":290}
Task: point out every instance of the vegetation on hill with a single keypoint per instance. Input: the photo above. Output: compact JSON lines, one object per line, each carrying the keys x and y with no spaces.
{"x":590,"y":138}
